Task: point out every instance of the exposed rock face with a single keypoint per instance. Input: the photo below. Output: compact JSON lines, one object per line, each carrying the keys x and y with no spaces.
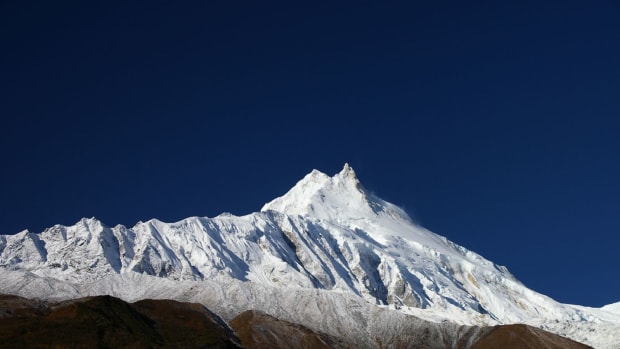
{"x":524,"y":337}
{"x":258,"y":330}
{"x":108,"y":322}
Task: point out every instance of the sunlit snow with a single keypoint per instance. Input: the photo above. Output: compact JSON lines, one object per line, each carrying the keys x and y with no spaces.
{"x":327,"y":237}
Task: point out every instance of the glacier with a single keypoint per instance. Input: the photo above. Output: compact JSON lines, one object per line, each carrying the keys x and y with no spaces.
{"x":327,"y":241}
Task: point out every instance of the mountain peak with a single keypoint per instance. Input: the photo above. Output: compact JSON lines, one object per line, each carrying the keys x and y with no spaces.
{"x":347,"y":170}
{"x":346,"y":174}
{"x":325,"y":197}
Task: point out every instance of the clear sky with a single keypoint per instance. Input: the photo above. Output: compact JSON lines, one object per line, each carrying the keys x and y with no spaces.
{"x":496,"y":125}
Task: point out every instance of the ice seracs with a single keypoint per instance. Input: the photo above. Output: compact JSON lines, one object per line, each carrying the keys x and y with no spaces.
{"x":325,"y":236}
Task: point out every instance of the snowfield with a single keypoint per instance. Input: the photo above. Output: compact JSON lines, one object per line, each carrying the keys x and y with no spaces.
{"x":327,"y":254}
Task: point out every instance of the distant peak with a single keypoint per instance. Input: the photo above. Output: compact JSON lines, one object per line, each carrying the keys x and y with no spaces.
{"x":317,"y":180}
{"x":322,"y":196}
{"x":348,"y":172}
{"x":347,"y":169}
{"x":316,"y":174}
{"x":89,"y":221}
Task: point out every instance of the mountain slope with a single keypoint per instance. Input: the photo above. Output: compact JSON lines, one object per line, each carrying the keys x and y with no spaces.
{"x":109,"y":322}
{"x":105,"y":321}
{"x":258,"y":330}
{"x":523,"y":337}
{"x":326,"y":233}
{"x":612,"y":308}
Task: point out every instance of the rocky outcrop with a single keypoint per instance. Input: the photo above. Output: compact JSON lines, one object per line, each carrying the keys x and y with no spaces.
{"x":108,"y":322}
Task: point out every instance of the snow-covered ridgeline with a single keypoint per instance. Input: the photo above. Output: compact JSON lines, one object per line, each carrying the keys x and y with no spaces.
{"x":326,"y":233}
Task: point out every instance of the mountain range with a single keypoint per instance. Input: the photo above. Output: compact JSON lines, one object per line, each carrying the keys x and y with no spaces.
{"x":328,"y":255}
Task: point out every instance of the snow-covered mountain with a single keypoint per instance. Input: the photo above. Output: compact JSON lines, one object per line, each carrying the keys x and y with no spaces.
{"x":614,"y":308}
{"x":327,"y":235}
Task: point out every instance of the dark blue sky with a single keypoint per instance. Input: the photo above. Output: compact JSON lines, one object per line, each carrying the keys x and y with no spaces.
{"x":496,"y":125}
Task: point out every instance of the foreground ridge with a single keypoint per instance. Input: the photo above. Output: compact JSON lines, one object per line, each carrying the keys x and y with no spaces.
{"x":326,"y":235}
{"x":105,"y":321}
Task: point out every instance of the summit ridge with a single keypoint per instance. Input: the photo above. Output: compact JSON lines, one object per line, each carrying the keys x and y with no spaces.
{"x":339,"y":197}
